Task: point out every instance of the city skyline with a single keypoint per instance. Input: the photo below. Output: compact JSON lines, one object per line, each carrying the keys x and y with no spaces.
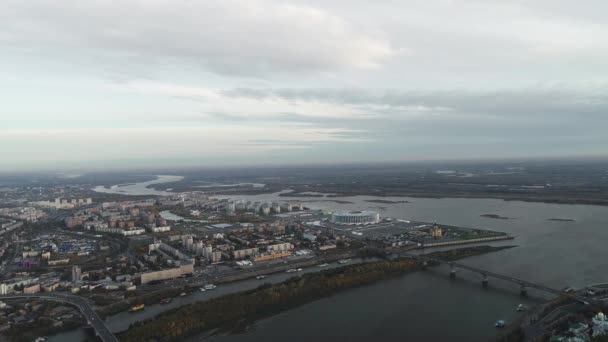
{"x":172,"y":84}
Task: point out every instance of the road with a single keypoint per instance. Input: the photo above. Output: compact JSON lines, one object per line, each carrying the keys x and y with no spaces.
{"x":252,"y":271}
{"x":81,"y":303}
{"x":9,"y":264}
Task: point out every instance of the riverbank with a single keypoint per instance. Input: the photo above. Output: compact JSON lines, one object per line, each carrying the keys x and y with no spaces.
{"x":465,"y":252}
{"x":235,"y":311}
{"x":30,"y":331}
{"x":466,"y":241}
{"x":524,"y":327}
{"x":153,"y":297}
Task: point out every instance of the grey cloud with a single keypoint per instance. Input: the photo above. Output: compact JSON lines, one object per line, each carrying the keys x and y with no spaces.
{"x":538,"y":116}
{"x":274,"y":142}
{"x":232,"y":37}
{"x":509,"y":103}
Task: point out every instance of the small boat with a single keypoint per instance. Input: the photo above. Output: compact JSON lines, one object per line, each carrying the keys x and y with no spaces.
{"x":521,"y":308}
{"x":182,"y":294}
{"x":166,"y":300}
{"x":136,"y":308}
{"x":291,"y":270}
{"x":202,"y":289}
{"x":323,"y":265}
{"x":343,"y":261}
{"x":209,"y":287}
{"x":299,"y":270}
{"x":499,"y":324}
{"x":260,"y":277}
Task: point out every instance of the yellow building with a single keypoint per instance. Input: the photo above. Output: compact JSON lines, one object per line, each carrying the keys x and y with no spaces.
{"x":272,"y":255}
{"x":436,"y":231}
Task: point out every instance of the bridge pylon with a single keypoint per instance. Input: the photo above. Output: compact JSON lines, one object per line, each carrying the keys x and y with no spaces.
{"x":523,"y":291}
{"x":452,"y":272}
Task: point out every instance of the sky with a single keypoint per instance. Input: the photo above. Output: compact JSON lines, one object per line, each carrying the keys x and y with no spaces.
{"x":102,"y":84}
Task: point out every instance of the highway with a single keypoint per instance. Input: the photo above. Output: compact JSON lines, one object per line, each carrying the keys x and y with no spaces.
{"x":82,"y":304}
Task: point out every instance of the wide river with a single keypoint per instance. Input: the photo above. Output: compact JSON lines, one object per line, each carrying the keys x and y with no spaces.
{"x":427,"y":306}
{"x":140,"y":188}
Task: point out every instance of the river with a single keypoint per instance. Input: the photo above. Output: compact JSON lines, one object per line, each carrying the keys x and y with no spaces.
{"x":427,"y":305}
{"x":140,"y":188}
{"x":578,"y":244}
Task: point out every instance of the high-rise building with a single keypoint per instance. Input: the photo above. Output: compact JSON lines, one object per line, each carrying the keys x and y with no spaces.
{"x":198,"y":247}
{"x":276,"y":208}
{"x":208,"y":253}
{"x":76,"y":273}
{"x":230,"y":208}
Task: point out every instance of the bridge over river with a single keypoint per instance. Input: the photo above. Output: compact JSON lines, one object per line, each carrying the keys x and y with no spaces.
{"x":524,"y":284}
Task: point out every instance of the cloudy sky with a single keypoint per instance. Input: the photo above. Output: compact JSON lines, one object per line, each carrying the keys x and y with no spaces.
{"x":239,"y":82}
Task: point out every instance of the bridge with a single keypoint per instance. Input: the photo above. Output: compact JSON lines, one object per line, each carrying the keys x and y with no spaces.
{"x":82,"y":304}
{"x":524,"y":284}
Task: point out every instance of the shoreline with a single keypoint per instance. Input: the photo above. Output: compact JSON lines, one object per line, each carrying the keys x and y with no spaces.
{"x":153,"y":297}
{"x":464,"y":242}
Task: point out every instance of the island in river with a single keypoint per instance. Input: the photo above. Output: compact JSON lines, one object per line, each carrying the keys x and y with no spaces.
{"x":382,"y":201}
{"x":233,"y":312}
{"x":495,"y":216}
